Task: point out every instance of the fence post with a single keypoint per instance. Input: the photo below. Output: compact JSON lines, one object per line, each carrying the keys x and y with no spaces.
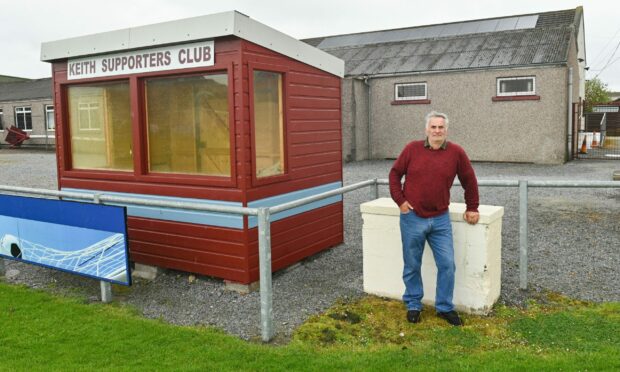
{"x":523,"y":234}
{"x":106,"y":292}
{"x":106,"y":287}
{"x":266,"y":294}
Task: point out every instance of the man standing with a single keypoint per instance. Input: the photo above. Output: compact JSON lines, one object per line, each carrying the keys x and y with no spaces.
{"x":430,"y":167}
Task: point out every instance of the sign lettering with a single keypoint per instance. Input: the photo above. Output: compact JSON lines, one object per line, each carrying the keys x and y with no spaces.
{"x":160,"y":59}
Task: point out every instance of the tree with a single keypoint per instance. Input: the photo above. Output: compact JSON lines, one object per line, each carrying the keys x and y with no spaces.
{"x":596,"y":93}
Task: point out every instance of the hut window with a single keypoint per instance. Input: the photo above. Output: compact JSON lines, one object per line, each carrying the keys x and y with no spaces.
{"x":188,"y":125}
{"x":268,"y":124}
{"x":100,"y":126}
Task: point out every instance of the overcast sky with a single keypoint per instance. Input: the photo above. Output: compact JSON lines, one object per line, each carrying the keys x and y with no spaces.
{"x":24,"y":24}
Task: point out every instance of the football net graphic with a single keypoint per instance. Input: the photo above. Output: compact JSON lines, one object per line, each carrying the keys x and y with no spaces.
{"x":104,"y":259}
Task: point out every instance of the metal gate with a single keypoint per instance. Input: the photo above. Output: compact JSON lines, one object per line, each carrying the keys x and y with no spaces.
{"x":600,"y":139}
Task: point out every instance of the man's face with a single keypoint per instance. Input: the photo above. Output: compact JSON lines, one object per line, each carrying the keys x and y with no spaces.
{"x":436,"y":130}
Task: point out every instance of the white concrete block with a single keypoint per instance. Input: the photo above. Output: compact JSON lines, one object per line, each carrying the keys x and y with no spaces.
{"x":147,"y":272}
{"x":477,"y":255}
{"x":241,"y":288}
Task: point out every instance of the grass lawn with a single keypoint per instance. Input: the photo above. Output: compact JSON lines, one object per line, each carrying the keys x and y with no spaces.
{"x":39,"y":331}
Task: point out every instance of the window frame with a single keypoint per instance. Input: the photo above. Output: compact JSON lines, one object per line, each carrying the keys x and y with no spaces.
{"x":90,"y":106}
{"x":70,"y":171}
{"x":139,"y":129}
{"x":46,"y":110}
{"x":283,"y":70}
{"x":515,"y":94}
{"x":66,"y":166}
{"x":411,"y":98}
{"x":186,"y":178}
{"x":24,"y":113}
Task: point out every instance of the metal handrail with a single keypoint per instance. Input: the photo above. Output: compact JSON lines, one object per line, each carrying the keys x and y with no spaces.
{"x":264,"y":224}
{"x":114,"y":199}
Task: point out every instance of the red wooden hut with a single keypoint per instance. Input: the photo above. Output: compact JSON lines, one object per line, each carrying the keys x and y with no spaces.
{"x":217,"y":109}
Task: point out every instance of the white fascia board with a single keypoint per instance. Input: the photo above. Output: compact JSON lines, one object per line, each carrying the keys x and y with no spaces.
{"x":188,"y":30}
{"x":172,"y":32}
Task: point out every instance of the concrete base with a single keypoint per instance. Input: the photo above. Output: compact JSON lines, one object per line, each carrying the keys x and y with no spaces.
{"x":241,"y":288}
{"x":477,"y":254}
{"x":146,"y":271}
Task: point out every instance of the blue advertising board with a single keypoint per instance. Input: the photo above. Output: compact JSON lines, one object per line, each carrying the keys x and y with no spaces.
{"x":80,"y":238}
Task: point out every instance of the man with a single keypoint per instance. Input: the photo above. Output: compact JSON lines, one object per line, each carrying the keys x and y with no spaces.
{"x":430,"y":167}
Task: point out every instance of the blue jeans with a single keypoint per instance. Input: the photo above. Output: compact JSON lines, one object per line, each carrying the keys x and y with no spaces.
{"x":415,"y":231}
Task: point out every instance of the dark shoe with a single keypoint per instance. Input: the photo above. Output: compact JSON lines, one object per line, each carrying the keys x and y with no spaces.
{"x":451,"y":317}
{"x":413,"y":316}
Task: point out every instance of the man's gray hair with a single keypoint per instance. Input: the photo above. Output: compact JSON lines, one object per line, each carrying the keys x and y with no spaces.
{"x":435,"y":114}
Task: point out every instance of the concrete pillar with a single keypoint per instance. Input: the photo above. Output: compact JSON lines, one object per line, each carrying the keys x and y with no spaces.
{"x":477,"y":254}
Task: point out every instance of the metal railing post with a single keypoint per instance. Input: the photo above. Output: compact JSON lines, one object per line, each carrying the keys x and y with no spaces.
{"x":375,"y":190}
{"x":106,"y":287}
{"x":266,"y":293}
{"x":522,"y":234}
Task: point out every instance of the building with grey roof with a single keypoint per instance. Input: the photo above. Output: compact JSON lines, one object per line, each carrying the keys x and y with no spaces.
{"x":27,"y":104}
{"x":10,"y":79}
{"x":509,"y":84}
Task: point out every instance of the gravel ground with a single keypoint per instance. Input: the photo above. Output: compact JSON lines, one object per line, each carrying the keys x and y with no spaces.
{"x":574,"y":245}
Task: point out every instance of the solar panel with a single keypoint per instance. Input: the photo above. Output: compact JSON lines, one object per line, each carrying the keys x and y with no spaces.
{"x":526,"y":22}
{"x":506,"y":24}
{"x":423,"y":32}
{"x":451,"y":30}
{"x":487,"y":26}
{"x":434,"y":31}
{"x":469,"y":28}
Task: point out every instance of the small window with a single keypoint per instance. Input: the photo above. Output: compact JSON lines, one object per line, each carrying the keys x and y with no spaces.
{"x":516,"y":86}
{"x":49,"y":117}
{"x":268,"y":124}
{"x":23,"y":118}
{"x":410,"y":91}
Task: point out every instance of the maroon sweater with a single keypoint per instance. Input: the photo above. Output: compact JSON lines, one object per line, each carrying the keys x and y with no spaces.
{"x":429,"y":177}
